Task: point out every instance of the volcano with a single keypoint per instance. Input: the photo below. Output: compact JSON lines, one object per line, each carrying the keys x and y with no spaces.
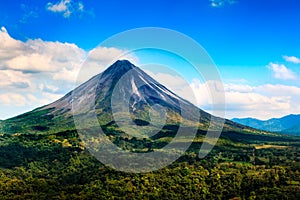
{"x":126,"y":84}
{"x":132,"y":90}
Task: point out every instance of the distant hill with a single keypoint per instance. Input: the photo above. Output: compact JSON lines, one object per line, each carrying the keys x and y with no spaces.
{"x":289,"y":124}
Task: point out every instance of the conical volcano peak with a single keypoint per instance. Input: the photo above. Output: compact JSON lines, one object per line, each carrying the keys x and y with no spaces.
{"x":131,"y":86}
{"x":124,"y":63}
{"x":120,"y":66}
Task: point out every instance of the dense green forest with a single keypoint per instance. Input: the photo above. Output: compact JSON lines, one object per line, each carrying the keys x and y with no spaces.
{"x":56,"y":165}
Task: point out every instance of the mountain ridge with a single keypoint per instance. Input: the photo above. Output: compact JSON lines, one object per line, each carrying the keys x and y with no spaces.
{"x":289,"y":124}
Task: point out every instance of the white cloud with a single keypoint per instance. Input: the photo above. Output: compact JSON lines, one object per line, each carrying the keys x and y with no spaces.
{"x":241,"y":99}
{"x":107,"y":55}
{"x":10,"y":46}
{"x":32,"y":62}
{"x":292,"y":59}
{"x":45,"y":70}
{"x":278,"y":90}
{"x":14,"y":80}
{"x":65,"y":7}
{"x":12,"y":98}
{"x":61,"y":6}
{"x":264,"y":101}
{"x":238,"y":88}
{"x":282,"y":72}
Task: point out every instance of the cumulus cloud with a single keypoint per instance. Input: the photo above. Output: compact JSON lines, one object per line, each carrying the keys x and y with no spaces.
{"x":14,"y":80}
{"x":12,"y":98}
{"x":45,"y":70}
{"x":241,"y":99}
{"x":292,"y":59}
{"x":37,"y":56}
{"x":65,"y":7}
{"x":61,"y":6}
{"x":282,"y":72}
{"x":263,"y":101}
{"x":10,"y":46}
{"x":31,"y":63}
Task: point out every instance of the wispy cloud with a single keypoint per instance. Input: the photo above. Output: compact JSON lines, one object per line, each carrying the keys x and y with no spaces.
{"x":28,"y":12}
{"x":292,"y":59}
{"x":80,"y":6}
{"x":65,"y":7}
{"x":221,"y":3}
{"x":282,"y":72}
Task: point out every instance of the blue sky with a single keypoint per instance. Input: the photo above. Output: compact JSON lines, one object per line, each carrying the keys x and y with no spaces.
{"x":255,"y":45}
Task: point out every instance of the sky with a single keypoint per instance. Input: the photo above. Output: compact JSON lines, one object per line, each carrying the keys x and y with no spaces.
{"x":254,"y":44}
